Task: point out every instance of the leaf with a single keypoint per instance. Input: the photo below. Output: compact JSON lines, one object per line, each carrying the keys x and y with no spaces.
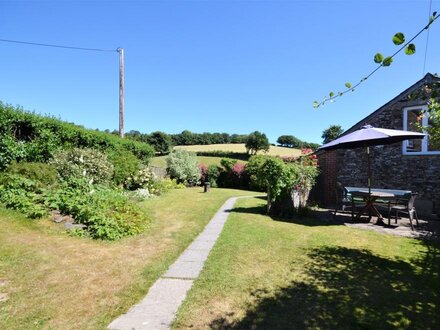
{"x":387,"y":61}
{"x":399,"y":38}
{"x":316,"y":104}
{"x":348,"y":85}
{"x":378,"y":58}
{"x":340,"y":94}
{"x":410,"y":49}
{"x":331,"y":94}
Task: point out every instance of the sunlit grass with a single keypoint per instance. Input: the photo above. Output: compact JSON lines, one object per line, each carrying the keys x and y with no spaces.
{"x":267,"y":274}
{"x":240,"y":148}
{"x":59,"y":282}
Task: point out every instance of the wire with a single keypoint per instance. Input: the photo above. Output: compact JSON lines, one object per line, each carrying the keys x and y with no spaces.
{"x":427,"y":41}
{"x":59,"y":46}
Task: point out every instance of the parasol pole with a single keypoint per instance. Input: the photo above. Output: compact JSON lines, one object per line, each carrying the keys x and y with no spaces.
{"x":369,"y":170}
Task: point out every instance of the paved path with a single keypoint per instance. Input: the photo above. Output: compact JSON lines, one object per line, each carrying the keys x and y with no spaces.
{"x":158,"y":309}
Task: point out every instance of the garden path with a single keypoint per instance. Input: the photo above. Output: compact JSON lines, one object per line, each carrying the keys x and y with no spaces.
{"x":158,"y":309}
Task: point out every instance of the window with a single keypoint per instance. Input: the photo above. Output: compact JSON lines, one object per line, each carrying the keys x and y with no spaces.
{"x":414,"y":118}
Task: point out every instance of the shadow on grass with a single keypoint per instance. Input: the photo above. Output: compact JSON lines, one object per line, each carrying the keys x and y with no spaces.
{"x":311,"y":218}
{"x":351,"y":289}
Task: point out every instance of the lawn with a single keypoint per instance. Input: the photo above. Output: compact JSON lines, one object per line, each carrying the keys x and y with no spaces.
{"x":240,"y":148}
{"x":160,"y":161}
{"x":54,"y":281}
{"x":307,"y":274}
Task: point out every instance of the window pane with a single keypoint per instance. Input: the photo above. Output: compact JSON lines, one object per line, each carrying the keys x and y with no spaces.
{"x":414,"y":121}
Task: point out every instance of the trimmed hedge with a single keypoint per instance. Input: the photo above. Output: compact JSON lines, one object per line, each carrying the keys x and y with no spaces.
{"x":34,"y":138}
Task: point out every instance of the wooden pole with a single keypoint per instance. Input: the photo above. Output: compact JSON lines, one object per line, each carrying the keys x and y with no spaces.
{"x":121,"y":92}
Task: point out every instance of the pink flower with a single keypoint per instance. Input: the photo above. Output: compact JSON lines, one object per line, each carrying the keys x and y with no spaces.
{"x":238,"y":169}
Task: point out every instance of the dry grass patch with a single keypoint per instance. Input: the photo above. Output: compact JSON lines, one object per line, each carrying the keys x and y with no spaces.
{"x":61,"y":282}
{"x":240,"y":148}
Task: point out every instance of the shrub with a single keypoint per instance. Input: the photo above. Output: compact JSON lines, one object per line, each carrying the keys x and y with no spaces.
{"x":106,"y":213}
{"x":203,"y":172}
{"x":22,"y":194}
{"x":213,"y":174}
{"x":125,"y":165}
{"x":44,"y":174}
{"x":183,"y":166}
{"x":143,"y":179}
{"x":87,"y":163}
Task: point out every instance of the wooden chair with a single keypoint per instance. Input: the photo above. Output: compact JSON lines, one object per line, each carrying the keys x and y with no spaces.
{"x":407,"y":208}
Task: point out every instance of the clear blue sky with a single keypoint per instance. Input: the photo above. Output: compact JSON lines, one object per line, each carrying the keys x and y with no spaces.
{"x":215,"y":66}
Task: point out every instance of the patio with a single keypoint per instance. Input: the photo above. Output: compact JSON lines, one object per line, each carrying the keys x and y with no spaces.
{"x":427,"y":229}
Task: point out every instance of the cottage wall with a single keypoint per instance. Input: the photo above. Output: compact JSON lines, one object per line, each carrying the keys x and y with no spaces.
{"x":390,"y":168}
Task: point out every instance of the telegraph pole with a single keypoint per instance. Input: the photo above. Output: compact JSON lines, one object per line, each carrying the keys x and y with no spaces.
{"x":121,"y":91}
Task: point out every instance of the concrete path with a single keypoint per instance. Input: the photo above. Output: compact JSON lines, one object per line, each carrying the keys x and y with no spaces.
{"x":158,"y":309}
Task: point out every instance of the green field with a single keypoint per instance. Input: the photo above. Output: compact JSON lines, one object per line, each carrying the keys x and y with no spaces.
{"x":237,"y":148}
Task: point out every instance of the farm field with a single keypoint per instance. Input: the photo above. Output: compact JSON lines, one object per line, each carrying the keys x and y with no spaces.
{"x":265,"y":273}
{"x":54,"y":281}
{"x":240,"y":148}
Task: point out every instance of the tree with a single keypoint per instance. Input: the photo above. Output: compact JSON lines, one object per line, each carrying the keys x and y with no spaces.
{"x":257,"y":141}
{"x":160,"y":141}
{"x":331,"y":133}
{"x":183,"y":166}
{"x":290,"y":141}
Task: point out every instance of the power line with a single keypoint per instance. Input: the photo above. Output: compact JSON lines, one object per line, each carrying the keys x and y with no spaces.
{"x":58,"y":46}
{"x":427,"y":40}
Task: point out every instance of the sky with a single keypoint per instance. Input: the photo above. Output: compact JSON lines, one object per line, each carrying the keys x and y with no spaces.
{"x":212,"y":66}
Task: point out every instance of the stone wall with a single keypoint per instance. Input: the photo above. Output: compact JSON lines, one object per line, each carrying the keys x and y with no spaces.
{"x":390,"y":168}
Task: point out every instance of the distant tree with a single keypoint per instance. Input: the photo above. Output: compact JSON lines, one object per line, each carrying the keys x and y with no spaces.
{"x":257,"y":141}
{"x":238,"y":138}
{"x":331,"y":133}
{"x":160,"y":141}
{"x":290,"y":141}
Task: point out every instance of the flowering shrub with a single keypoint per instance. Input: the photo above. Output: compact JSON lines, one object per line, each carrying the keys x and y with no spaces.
{"x":143,"y":179}
{"x":83,"y":163}
{"x":203,"y":172}
{"x":238,"y":169}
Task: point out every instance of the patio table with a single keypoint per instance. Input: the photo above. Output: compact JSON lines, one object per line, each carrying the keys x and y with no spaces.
{"x":370,"y":199}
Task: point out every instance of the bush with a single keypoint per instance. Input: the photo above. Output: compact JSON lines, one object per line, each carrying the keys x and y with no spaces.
{"x":83,"y":163}
{"x":125,"y":165}
{"x":213,"y":174}
{"x":143,"y":179}
{"x":31,"y":137}
{"x":22,"y":194}
{"x":44,"y":174}
{"x":106,"y":213}
{"x":183,"y":166}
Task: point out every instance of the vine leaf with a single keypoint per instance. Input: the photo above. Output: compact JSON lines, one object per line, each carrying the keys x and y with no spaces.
{"x":378,"y":58}
{"x":387,"y":61}
{"x":410,"y":49}
{"x":316,"y":104}
{"x":399,"y":38}
{"x":348,"y":85}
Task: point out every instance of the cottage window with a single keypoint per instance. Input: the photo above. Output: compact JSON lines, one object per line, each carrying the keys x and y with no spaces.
{"x":414,"y":118}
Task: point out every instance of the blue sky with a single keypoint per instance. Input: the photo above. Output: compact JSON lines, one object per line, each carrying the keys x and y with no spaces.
{"x":214,"y":66}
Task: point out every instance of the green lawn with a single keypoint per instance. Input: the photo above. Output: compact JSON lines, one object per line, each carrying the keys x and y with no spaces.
{"x":54,"y":281}
{"x":307,"y":274}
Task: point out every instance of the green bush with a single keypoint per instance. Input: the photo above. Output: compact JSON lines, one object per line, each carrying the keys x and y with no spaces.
{"x":183,"y":166}
{"x":31,"y":137}
{"x":213,"y":174}
{"x":107,"y":214}
{"x":22,"y":194}
{"x":44,"y":174}
{"x":88,"y":163}
{"x":125,"y":165}
{"x":143,"y":179}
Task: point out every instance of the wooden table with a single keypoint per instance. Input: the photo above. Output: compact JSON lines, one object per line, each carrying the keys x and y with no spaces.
{"x":370,"y":199}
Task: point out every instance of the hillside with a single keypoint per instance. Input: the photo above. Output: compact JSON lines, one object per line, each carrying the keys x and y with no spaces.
{"x":240,"y":148}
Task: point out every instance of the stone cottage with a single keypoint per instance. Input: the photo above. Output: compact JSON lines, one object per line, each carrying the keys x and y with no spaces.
{"x":410,"y":165}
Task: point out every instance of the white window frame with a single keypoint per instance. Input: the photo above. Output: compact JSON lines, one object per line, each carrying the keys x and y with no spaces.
{"x":425,"y":140}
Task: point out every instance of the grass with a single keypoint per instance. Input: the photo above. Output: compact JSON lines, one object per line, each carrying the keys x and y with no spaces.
{"x":240,"y":148}
{"x":54,"y":281}
{"x":160,"y":161}
{"x":307,"y":274}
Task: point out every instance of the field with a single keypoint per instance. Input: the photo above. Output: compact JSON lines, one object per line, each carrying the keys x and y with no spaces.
{"x":240,"y":148}
{"x":53,"y":281}
{"x":266,"y":273}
